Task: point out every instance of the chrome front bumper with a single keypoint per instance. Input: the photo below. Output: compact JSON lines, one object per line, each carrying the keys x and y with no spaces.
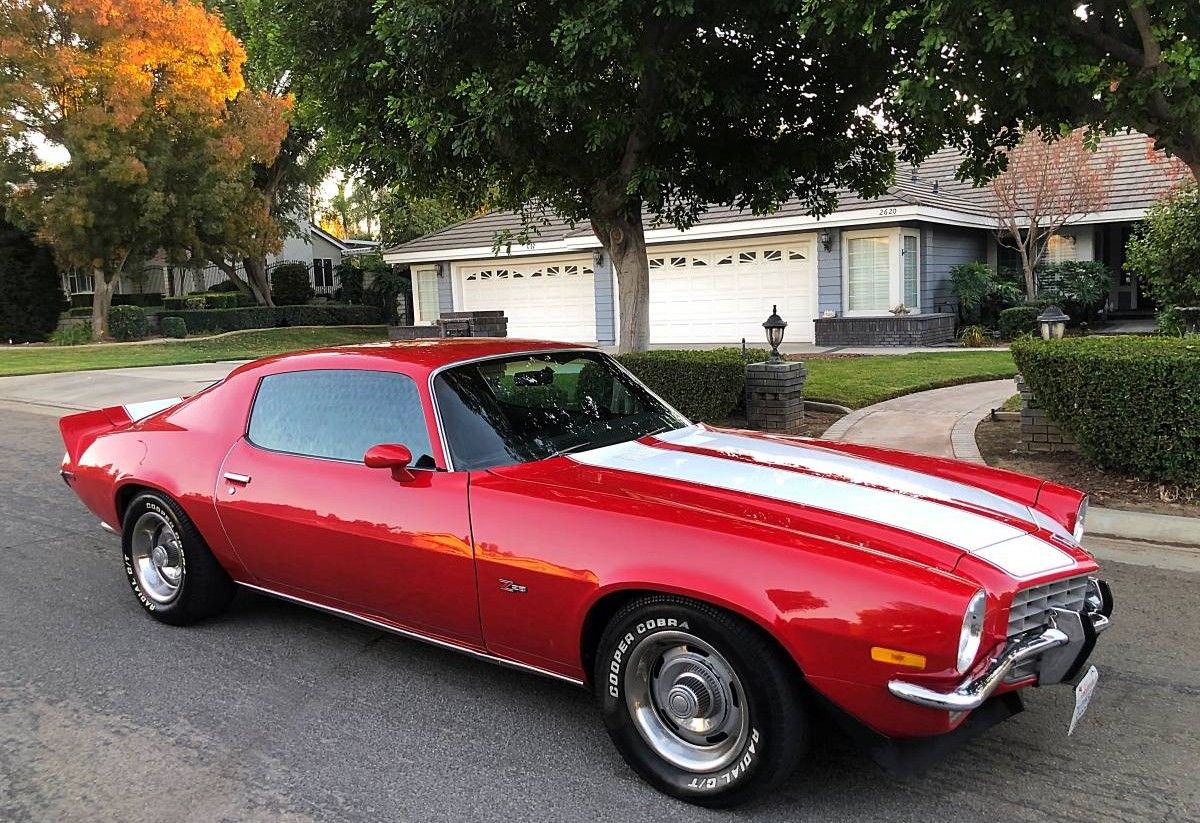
{"x":1064,"y":645}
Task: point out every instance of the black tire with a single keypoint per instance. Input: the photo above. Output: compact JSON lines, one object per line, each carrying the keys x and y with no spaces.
{"x":201,"y":589}
{"x":768,"y":682}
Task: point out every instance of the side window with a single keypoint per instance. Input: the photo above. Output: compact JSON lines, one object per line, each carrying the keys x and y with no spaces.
{"x":339,"y":414}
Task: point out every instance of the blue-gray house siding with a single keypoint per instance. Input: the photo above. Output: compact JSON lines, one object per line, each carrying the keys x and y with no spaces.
{"x":945,"y":247}
{"x":606,"y":326}
{"x":829,"y":275}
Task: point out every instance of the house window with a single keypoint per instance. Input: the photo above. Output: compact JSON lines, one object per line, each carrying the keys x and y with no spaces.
{"x":323,"y":274}
{"x":425,"y":283}
{"x":868,"y":272}
{"x":1060,"y":248}
{"x":78,"y":282}
{"x":909,"y":263}
{"x":881,"y":269}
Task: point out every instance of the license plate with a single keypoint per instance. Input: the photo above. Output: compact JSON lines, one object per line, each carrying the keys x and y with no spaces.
{"x":1083,"y":696}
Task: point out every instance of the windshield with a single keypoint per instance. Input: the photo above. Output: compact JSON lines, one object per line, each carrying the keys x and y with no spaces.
{"x":532,"y":406}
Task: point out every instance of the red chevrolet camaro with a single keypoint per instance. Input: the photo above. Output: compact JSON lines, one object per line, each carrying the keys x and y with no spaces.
{"x":533,"y":504}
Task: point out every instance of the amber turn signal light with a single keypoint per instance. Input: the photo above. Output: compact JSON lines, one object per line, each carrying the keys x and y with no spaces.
{"x":897,"y":658}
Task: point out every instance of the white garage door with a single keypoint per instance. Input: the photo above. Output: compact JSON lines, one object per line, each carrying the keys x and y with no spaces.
{"x":721,"y":294}
{"x":546,"y":299}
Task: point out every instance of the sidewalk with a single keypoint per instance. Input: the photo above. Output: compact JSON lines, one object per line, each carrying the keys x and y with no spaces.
{"x":926,"y":422}
{"x":942,"y":423}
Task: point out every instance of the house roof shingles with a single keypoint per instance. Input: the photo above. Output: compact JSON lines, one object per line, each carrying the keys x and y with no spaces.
{"x":1136,"y":184}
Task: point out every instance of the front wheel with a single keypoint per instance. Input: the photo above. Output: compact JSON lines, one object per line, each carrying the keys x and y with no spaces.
{"x":698,"y":702}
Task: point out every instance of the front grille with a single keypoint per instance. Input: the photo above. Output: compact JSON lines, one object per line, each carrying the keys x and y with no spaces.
{"x":1030,"y":605}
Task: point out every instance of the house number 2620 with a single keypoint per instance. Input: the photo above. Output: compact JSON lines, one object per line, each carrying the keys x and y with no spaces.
{"x":888,"y":211}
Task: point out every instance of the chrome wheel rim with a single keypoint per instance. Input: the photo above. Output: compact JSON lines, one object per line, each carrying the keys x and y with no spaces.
{"x":157,"y":555}
{"x":686,"y":701}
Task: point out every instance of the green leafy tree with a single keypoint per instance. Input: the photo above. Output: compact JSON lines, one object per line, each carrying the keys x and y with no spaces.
{"x":974,"y":71}
{"x":606,"y":112}
{"x":1166,"y":247}
{"x":404,"y":217}
{"x":31,"y":297}
{"x":306,"y":153}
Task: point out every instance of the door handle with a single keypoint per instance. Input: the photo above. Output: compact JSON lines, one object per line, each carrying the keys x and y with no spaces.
{"x":240,"y":479}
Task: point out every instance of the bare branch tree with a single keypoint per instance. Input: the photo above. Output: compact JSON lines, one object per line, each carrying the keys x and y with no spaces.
{"x":1047,"y":185}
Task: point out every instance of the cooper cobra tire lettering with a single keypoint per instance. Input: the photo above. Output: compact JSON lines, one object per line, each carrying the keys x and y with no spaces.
{"x":614,"y":666}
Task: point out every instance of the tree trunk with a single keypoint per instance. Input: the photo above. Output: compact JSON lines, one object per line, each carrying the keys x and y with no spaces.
{"x":102,"y":292}
{"x":624,"y":239}
{"x":230,"y":271}
{"x":256,"y":277}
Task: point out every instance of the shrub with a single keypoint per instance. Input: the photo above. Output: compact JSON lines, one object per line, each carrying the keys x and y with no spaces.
{"x":31,"y":297}
{"x":72,"y":334}
{"x":221,"y":300}
{"x":389,"y":285}
{"x":1165,"y":249}
{"x":330,"y":314}
{"x":169,"y":303}
{"x":146,"y":299}
{"x":83,"y":312}
{"x":225,"y":286}
{"x":290,"y":284}
{"x":1078,"y":287}
{"x":173,"y":327}
{"x":974,"y":336}
{"x":1132,"y":403}
{"x":982,"y":294}
{"x":1019,"y":320}
{"x":127,"y":322}
{"x":351,"y":278}
{"x":704,"y":385}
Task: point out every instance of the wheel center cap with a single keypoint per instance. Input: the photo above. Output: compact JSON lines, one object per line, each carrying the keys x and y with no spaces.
{"x":682,"y":702}
{"x":158,"y":556}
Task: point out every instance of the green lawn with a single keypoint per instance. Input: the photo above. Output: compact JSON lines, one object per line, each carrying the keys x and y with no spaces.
{"x":240,"y":346}
{"x":861,"y":381}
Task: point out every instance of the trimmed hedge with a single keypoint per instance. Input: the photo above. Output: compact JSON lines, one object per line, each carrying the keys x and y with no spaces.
{"x":214,"y":321}
{"x":173,"y":327}
{"x":1019,"y":320}
{"x":703,"y":385}
{"x":1132,"y":403}
{"x":127,"y":322}
{"x":146,"y":300}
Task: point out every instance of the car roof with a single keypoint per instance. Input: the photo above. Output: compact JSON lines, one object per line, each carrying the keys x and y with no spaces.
{"x":408,"y":355}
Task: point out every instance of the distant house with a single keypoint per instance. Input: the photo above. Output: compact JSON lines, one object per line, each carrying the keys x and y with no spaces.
{"x":317,"y":249}
{"x":716,"y":282}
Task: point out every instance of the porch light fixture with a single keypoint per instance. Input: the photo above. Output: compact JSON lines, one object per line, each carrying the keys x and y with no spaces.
{"x":826,"y":238}
{"x":1053,"y":323}
{"x":774,"y":326}
{"x":598,"y":258}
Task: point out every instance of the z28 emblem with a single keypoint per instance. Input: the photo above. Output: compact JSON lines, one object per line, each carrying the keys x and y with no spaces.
{"x":507,"y":585}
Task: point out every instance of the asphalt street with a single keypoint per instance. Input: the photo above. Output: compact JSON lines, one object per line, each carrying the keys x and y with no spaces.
{"x":275,"y":712}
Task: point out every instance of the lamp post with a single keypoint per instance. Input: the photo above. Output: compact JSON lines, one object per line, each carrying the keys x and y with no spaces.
{"x":1053,"y":323}
{"x":774,"y":326}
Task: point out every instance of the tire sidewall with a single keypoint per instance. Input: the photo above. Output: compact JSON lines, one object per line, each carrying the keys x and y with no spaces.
{"x":143,"y":503}
{"x":720,"y":786}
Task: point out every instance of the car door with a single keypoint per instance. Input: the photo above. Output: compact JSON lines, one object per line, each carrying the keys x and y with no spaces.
{"x":310,"y":520}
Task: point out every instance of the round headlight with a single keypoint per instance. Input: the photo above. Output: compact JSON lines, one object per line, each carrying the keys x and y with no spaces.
{"x":1080,"y":516}
{"x":972,"y":630}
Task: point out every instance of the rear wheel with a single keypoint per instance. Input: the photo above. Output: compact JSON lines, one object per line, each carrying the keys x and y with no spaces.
{"x":169,"y":566}
{"x":698,"y":702}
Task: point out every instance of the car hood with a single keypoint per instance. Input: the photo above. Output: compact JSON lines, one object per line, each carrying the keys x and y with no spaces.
{"x":913,"y":507}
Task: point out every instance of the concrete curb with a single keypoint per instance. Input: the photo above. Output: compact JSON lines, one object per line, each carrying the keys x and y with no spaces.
{"x":832,"y":408}
{"x":840,"y":427}
{"x":1144,"y":526}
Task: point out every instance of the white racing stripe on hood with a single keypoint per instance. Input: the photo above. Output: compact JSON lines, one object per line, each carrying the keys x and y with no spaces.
{"x":852,"y":468}
{"x":963,"y":529}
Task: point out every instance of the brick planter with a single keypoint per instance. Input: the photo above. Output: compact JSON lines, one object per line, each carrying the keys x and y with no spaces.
{"x":775,"y":395}
{"x":906,"y":330}
{"x":1038,"y":432}
{"x":456,"y":324}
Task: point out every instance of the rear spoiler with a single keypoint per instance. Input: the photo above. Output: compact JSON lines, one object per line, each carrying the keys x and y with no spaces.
{"x":80,"y":430}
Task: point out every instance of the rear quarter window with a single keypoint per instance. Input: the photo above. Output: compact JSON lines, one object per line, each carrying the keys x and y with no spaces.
{"x":338,"y":414}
